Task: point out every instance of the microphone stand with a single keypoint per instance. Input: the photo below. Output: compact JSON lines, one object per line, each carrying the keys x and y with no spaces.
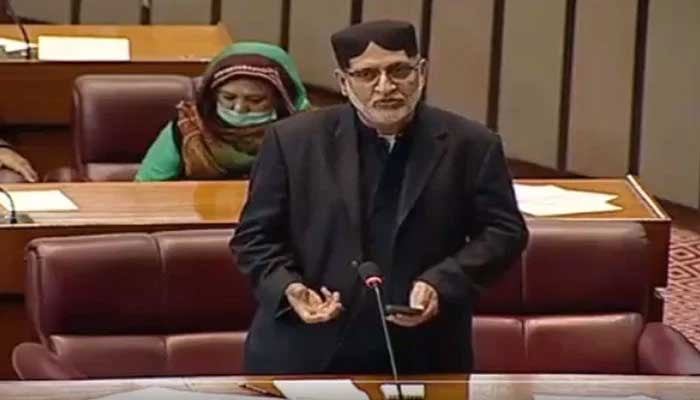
{"x":13,"y":212}
{"x":10,"y":11}
{"x":387,"y":338}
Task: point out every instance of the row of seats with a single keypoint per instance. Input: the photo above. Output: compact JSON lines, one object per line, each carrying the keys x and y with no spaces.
{"x":174,"y":303}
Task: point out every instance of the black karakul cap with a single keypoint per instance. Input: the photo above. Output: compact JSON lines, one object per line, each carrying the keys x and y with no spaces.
{"x":391,"y":35}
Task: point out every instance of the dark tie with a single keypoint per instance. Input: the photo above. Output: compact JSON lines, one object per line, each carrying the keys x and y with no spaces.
{"x":382,"y":223}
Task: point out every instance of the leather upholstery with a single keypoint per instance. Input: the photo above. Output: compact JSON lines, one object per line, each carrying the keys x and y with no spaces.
{"x":173,"y":303}
{"x":117,"y":117}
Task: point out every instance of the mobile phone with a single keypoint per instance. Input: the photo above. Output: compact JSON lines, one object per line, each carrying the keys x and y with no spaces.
{"x":392,"y":309}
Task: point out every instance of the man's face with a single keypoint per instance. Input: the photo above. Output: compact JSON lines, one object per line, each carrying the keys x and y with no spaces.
{"x":384,"y":86}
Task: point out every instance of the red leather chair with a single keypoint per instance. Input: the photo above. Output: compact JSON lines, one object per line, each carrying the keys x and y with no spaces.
{"x":576,"y":303}
{"x":129,"y":305}
{"x":173,"y":304}
{"x":115,"y":120}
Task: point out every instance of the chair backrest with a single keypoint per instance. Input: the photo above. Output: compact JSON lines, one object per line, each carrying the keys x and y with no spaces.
{"x":575,"y":302}
{"x":166,"y":302}
{"x":117,"y":117}
{"x":140,"y":304}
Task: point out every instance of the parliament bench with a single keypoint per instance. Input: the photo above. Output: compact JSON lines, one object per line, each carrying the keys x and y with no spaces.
{"x":174,"y":304}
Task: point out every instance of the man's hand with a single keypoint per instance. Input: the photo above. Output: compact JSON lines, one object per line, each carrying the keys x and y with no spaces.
{"x":423,"y":296}
{"x":310,"y":306}
{"x":12,"y":160}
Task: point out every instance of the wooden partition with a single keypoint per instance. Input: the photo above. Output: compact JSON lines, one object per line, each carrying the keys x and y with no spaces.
{"x":592,"y":87}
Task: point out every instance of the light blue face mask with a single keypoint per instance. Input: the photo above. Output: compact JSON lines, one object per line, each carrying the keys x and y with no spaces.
{"x":240,"y":120}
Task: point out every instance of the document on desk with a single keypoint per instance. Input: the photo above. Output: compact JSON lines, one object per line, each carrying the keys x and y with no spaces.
{"x":158,"y":393}
{"x":75,"y":48}
{"x":12,"y":45}
{"x":309,"y":389}
{"x":38,"y":200}
{"x":551,"y":200}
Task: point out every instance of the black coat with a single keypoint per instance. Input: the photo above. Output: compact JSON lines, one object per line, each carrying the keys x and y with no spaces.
{"x":458,"y":229}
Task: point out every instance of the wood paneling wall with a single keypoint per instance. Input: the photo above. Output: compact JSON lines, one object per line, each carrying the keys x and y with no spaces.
{"x":530,"y":85}
{"x":594,"y":87}
{"x":670,"y":136}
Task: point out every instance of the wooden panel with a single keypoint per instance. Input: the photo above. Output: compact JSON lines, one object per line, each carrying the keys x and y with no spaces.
{"x":46,"y":86}
{"x":531,"y":79}
{"x":601,"y":90}
{"x":111,"y":12}
{"x":406,"y":10}
{"x":257,"y":20}
{"x":475,"y":386}
{"x":181,"y":11}
{"x":54,"y":11}
{"x":312,"y":24}
{"x":670,"y":142}
{"x":460,"y":52}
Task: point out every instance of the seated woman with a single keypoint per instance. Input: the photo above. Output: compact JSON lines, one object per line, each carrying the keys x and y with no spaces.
{"x":245,"y":88}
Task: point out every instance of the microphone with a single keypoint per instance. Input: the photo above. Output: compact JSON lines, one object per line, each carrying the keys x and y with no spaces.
{"x":10,"y":11}
{"x":13,"y":212}
{"x":371,"y":275}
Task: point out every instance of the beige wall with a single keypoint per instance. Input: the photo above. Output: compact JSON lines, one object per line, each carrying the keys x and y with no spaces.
{"x":55,"y":11}
{"x":532,"y":58}
{"x":181,"y":11}
{"x":111,"y":12}
{"x":407,"y":10}
{"x":670,"y":154}
{"x":528,"y":117}
{"x":601,"y":87}
{"x":253,"y":20}
{"x":312,"y":23}
{"x":460,"y":50}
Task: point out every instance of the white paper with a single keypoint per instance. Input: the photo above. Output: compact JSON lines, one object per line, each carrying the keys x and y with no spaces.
{"x":551,"y":208}
{"x":308,"y":389}
{"x":38,"y":200}
{"x":12,"y":45}
{"x":69,"y":48}
{"x":551,"y":200}
{"x":158,"y":393}
{"x":557,"y":397}
{"x":409,"y":391}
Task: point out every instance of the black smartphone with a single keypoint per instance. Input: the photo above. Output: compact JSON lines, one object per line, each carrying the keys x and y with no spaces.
{"x":392,"y":309}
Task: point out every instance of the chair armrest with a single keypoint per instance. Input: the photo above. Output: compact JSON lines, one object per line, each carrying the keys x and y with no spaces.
{"x":33,"y":361}
{"x":663,"y":350}
{"x":10,"y":176}
{"x":64,"y":174}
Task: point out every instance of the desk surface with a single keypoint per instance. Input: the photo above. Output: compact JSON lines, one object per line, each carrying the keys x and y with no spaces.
{"x":194,"y":43}
{"x":636,"y":203}
{"x":475,"y":387}
{"x":129,"y":203}
{"x":138,"y":204}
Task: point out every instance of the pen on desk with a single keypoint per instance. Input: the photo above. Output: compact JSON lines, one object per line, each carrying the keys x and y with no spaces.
{"x":256,"y":389}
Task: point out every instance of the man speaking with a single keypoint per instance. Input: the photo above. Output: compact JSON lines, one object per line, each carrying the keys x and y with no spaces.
{"x":423,"y":193}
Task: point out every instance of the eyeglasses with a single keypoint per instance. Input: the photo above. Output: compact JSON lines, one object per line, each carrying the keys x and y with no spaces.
{"x":397,"y":73}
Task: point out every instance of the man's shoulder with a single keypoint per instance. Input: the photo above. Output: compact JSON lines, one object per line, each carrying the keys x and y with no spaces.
{"x":460,"y":127}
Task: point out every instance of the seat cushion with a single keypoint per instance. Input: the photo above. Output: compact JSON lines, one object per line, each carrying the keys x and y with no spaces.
{"x":214,"y":353}
{"x":602,"y":344}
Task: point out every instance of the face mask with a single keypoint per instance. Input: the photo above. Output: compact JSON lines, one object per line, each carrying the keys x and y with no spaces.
{"x":239,"y":120}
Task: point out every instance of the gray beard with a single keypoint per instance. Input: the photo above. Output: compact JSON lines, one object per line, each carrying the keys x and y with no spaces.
{"x":378,"y":118}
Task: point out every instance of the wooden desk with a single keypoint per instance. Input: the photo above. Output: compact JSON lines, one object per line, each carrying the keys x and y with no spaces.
{"x":437,"y":387}
{"x":120,"y":207}
{"x":42,"y":89}
{"x":637,"y":205}
{"x":148,"y":207}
